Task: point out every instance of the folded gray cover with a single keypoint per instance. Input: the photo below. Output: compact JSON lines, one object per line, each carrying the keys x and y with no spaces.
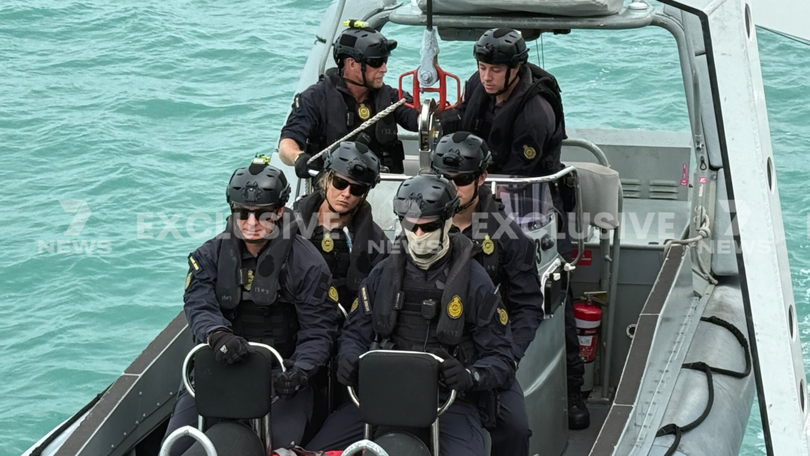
{"x":550,"y":7}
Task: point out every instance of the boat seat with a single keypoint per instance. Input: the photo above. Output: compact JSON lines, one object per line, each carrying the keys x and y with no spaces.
{"x":230,"y":438}
{"x":599,"y":191}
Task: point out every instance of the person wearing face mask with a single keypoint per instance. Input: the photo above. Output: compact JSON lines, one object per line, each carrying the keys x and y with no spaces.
{"x":464,"y":158}
{"x":337,"y":219}
{"x":344,"y":98}
{"x":259,"y":281}
{"x":428,"y":295}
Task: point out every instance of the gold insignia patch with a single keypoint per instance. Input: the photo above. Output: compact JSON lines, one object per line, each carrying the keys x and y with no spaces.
{"x":327,"y":244}
{"x":354,"y":306}
{"x":529,"y":152}
{"x":188,"y":281}
{"x":363,"y":112}
{"x":487,"y":245}
{"x":333,"y":294}
{"x":249,"y":280}
{"x":454,"y":308}
{"x":193,"y":263}
{"x":503,"y":317}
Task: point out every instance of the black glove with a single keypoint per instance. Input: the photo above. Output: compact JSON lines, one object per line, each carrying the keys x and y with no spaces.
{"x":301,"y":166}
{"x":288,"y":383}
{"x":228,"y":348}
{"x":348,"y":369}
{"x":454,"y":374}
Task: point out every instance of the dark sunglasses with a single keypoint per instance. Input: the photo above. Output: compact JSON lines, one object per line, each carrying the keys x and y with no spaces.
{"x":462,"y":180}
{"x":261,"y":213}
{"x":376,"y":63}
{"x":355,"y":189}
{"x":427,"y":227}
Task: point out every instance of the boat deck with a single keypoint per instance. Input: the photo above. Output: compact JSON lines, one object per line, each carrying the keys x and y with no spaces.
{"x":580,"y":442}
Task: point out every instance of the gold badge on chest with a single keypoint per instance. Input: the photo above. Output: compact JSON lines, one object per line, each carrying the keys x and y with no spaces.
{"x":327,"y":244}
{"x":363,"y":111}
{"x":487,"y":245}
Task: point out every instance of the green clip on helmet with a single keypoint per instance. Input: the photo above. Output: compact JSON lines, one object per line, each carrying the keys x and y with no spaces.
{"x":426,"y":195}
{"x":362,"y":44}
{"x":355,"y":160}
{"x":501,"y":46}
{"x":462,"y":153}
{"x":258,"y":185}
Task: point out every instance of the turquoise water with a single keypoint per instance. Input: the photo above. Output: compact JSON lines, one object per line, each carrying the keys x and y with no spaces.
{"x":144,"y":109}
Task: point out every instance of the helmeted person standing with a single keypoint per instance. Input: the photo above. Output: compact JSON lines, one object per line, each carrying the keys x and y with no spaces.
{"x":338,"y":221}
{"x":343,"y":99}
{"x":259,"y":281}
{"x":516,"y":108}
{"x":428,"y":295}
{"x":507,"y":255}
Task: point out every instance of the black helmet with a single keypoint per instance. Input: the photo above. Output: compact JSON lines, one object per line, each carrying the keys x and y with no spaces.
{"x":355,"y":160}
{"x":362,"y":44}
{"x":501,"y":46}
{"x":426,"y":195}
{"x":461,"y":152}
{"x":258,"y":185}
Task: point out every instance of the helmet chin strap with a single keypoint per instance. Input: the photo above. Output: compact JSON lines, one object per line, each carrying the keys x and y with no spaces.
{"x":506,"y":83}
{"x":469,"y":203}
{"x":364,"y":83}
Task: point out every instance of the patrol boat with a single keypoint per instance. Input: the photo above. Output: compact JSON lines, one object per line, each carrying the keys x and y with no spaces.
{"x":693,"y":325}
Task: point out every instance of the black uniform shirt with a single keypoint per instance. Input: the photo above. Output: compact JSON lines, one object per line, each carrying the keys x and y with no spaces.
{"x":493,"y":342}
{"x":307,"y":280}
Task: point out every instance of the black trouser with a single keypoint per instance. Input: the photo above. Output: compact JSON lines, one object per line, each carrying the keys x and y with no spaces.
{"x":288,"y":420}
{"x":460,"y":430}
{"x":511,"y":433}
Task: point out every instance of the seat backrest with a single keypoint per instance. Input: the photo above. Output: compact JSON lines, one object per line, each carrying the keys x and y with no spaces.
{"x":600,"y":188}
{"x":238,"y":391}
{"x":398,"y":388}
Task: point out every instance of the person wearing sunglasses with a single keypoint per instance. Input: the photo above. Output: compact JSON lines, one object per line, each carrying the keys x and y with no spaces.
{"x":428,"y":295}
{"x":344,"y":98}
{"x":337,"y":219}
{"x":259,"y":281}
{"x":463,"y":159}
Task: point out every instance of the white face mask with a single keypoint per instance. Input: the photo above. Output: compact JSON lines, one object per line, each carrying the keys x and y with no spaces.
{"x":429,"y":248}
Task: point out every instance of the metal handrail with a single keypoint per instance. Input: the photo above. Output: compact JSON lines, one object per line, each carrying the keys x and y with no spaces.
{"x":193,"y":352}
{"x":364,"y":444}
{"x":188,"y":431}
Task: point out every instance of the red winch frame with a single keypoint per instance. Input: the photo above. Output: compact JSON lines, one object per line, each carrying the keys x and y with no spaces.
{"x":441,"y":90}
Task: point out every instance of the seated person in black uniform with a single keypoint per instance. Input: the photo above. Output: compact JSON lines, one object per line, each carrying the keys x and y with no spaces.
{"x":507,"y":255}
{"x":469,"y":320}
{"x":259,"y":281}
{"x":517,"y":109}
{"x":337,"y":219}
{"x":343,"y":99}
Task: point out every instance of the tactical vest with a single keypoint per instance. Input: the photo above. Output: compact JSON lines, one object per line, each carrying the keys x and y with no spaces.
{"x":340,"y":120}
{"x":265,"y":313}
{"x":397,"y":310}
{"x":498,"y":134}
{"x":337,"y":255}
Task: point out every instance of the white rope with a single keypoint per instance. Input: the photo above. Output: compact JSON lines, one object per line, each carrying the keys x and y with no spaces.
{"x":704,"y":232}
{"x":357,"y":130}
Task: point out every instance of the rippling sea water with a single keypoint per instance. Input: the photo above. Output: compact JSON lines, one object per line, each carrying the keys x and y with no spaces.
{"x":146,"y":108}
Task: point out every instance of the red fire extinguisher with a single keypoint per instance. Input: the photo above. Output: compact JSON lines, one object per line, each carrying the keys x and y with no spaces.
{"x":589,"y":317}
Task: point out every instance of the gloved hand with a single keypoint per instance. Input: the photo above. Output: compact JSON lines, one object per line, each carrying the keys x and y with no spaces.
{"x":348,"y":370}
{"x":301,"y":166}
{"x":229,"y":348}
{"x":289,"y":382}
{"x":454,"y":374}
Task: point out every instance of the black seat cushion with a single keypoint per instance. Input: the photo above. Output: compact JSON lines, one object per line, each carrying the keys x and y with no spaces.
{"x":230,"y":438}
{"x":398,"y":388}
{"x":402,"y":444}
{"x":238,"y":391}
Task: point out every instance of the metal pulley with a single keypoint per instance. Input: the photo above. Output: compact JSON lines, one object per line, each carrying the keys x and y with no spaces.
{"x":429,"y":130}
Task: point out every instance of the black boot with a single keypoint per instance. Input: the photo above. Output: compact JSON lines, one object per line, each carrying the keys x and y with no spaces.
{"x":578,"y":415}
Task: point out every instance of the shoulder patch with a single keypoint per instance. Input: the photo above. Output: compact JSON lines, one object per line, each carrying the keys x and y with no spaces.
{"x":455,"y":308}
{"x":333,"y":294}
{"x":354,"y":306}
{"x":366,"y":301}
{"x":188,"y":281}
{"x":503,"y":317}
{"x":193,"y":263}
